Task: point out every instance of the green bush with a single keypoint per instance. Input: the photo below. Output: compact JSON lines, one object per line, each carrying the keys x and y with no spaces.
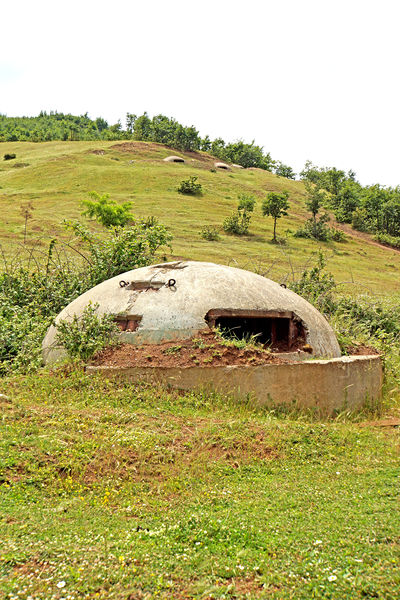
{"x":86,"y":334}
{"x":36,"y":286}
{"x":389,"y":240}
{"x":210,"y":233}
{"x":123,"y":249}
{"x":337,"y":235}
{"x":107,"y":212}
{"x":319,"y":230}
{"x":360,"y":220}
{"x":314,"y":229}
{"x":316,"y":285}
{"x":190,"y":186}
{"x":20,"y":338}
{"x":237,"y":223}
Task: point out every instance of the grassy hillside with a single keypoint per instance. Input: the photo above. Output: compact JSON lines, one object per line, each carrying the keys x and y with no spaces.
{"x":55,"y":176}
{"x":114,"y":492}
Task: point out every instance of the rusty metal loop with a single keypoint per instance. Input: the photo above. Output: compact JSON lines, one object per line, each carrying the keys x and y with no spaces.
{"x":171,"y":283}
{"x":284,"y":285}
{"x":123,"y":283}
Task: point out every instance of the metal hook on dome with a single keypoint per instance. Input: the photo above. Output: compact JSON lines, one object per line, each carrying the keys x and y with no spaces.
{"x":123,"y":283}
{"x":171,"y":283}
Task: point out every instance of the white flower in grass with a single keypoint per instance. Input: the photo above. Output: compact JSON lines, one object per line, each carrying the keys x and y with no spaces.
{"x":332,"y":578}
{"x":61,"y":584}
{"x":317,"y":542}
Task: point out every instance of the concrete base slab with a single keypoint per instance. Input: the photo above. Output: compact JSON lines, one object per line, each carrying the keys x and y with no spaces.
{"x":329,"y":386}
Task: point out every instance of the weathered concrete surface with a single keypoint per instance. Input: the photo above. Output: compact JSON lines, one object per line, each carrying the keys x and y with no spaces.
{"x":337,"y":384}
{"x":168,"y":312}
{"x":221,"y":165}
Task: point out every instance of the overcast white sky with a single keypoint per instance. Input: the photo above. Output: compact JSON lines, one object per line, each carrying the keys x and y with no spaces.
{"x":307,"y":79}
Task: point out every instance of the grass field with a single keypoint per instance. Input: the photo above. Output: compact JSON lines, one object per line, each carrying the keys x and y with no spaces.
{"x":110,"y":491}
{"x":58,"y":176}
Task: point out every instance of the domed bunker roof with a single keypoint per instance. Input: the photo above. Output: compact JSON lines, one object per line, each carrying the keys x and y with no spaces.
{"x":174,"y":301}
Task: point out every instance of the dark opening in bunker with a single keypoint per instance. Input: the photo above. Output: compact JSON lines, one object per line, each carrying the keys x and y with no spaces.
{"x":128,"y":322}
{"x":282,"y":331}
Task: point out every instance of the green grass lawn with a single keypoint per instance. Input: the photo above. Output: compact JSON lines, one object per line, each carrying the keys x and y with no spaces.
{"x":110,"y":490}
{"x":59,"y":175}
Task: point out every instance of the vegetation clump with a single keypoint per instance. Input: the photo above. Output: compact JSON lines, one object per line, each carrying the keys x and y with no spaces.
{"x":86,"y":334}
{"x":210,"y":233}
{"x":374,"y":208}
{"x":36,"y":285}
{"x":238,"y":223}
{"x":107,"y":212}
{"x":190,"y":186}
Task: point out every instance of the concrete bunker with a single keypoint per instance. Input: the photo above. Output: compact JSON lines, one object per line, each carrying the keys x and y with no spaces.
{"x":177,"y":300}
{"x":174,"y":159}
{"x":171,"y":302}
{"x":223,"y":166}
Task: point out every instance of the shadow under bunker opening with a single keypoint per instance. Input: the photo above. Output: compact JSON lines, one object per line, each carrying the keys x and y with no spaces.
{"x":281,"y":331}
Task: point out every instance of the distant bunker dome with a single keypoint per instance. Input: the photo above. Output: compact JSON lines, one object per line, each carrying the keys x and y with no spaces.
{"x":174,"y":159}
{"x":177,"y":300}
{"x":221,"y":165}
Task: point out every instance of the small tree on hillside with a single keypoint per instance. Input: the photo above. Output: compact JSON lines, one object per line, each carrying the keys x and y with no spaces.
{"x":315,"y":227}
{"x":275,"y":205}
{"x":315,"y":199}
{"x":238,"y":222}
{"x":107,"y":212}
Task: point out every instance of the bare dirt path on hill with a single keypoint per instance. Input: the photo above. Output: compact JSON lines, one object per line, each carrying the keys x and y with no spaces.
{"x":360,"y":235}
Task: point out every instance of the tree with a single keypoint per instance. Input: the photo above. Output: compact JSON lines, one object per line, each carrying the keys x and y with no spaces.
{"x":315,"y":199}
{"x":107,"y":212}
{"x":313,"y":227}
{"x":284,"y":171}
{"x":246,"y":202}
{"x":238,"y":222}
{"x":275,"y":205}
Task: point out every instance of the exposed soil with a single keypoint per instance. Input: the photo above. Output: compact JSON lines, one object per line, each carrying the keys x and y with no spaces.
{"x":205,"y":349}
{"x":361,"y":235}
{"x":135,"y":146}
{"x":99,"y":152}
{"x":362,"y":351}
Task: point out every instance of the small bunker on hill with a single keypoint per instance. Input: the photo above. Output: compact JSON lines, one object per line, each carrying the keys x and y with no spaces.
{"x":174,"y":159}
{"x":176,"y":301}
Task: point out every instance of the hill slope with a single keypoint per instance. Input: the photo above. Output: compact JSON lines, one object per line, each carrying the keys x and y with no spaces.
{"x":56,"y":176}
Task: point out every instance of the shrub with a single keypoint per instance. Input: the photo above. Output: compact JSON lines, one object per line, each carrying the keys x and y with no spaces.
{"x":210,"y":233}
{"x":35,"y":286}
{"x":87,"y":334}
{"x":124,"y":248}
{"x":388,"y":240}
{"x":9,"y":156}
{"x":20,"y":338}
{"x":360,"y":220}
{"x":316,"y":285}
{"x":190,"y":186}
{"x":314,"y":229}
{"x":337,"y":235}
{"x":237,"y":223}
{"x":107,"y":212}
